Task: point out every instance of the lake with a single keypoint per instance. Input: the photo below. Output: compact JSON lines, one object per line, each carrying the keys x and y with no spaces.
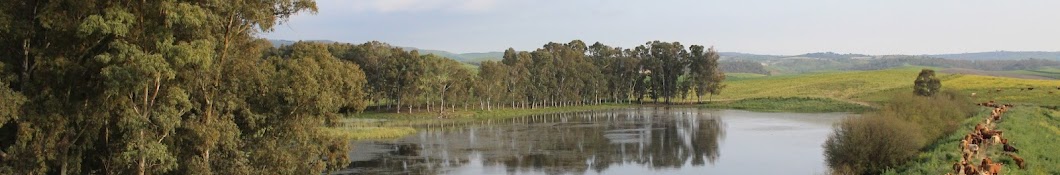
{"x":622,"y":141}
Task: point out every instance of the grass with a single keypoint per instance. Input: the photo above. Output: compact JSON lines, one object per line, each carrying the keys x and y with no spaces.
{"x":789,"y":104}
{"x":1045,"y":72}
{"x":834,"y":85}
{"x":1031,"y":129}
{"x":360,"y":133}
{"x":878,"y":85}
{"x":742,"y":76}
{"x":985,"y":88}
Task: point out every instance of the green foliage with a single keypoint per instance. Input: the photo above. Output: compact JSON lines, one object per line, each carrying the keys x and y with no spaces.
{"x":892,"y":135}
{"x":870,"y":144}
{"x":166,"y":87}
{"x":926,"y":83}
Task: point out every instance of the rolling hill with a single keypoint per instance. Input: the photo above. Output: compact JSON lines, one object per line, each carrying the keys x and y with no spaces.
{"x":1002,"y":55}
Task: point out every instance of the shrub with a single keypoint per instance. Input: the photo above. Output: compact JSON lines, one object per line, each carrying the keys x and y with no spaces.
{"x":871,"y":144}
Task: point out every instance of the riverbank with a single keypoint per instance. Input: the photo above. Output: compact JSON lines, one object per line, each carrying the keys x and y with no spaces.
{"x":789,"y":104}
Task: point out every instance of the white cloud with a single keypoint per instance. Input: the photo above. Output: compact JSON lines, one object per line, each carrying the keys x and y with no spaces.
{"x":388,"y":6}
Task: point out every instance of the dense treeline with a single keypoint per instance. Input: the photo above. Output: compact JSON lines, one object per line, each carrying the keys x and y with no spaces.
{"x":557,"y":74}
{"x":167,"y":87}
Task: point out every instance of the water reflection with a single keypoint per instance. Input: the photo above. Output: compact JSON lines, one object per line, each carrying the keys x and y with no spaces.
{"x":571,"y":143}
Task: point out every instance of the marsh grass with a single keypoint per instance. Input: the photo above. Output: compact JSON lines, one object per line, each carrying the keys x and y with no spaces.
{"x":359,"y":133}
{"x":789,"y":104}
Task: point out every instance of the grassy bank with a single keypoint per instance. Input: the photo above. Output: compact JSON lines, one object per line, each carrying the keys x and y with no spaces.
{"x":1031,"y":129}
{"x":789,"y":104}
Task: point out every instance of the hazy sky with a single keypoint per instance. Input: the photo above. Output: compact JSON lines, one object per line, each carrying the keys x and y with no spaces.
{"x":753,"y":26}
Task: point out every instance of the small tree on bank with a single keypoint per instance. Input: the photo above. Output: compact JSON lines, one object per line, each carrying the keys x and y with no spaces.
{"x":926,"y":83}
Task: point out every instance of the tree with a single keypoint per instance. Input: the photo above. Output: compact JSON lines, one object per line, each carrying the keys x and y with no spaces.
{"x":491,"y":80}
{"x":133,"y":87}
{"x":926,"y":83}
{"x":713,"y":74}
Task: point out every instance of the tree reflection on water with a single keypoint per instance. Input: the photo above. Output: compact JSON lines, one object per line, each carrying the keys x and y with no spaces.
{"x":553,"y":144}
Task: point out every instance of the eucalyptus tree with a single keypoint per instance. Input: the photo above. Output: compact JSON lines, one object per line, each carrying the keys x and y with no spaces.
{"x":155,"y":87}
{"x":518,"y":82}
{"x":491,"y":76}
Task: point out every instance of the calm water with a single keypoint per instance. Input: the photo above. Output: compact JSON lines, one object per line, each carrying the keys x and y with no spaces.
{"x":626,"y":141}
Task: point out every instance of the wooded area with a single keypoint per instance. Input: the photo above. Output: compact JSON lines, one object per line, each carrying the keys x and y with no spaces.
{"x":165,"y":87}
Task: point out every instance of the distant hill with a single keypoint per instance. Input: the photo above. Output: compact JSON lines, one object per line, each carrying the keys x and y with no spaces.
{"x":470,"y":58}
{"x":1002,"y":55}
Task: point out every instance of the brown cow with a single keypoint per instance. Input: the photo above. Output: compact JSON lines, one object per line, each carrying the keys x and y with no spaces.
{"x":958,"y":166}
{"x":985,"y":165}
{"x":970,"y":169}
{"x":1009,"y":148}
{"x":994,"y":168}
{"x":1019,"y":161}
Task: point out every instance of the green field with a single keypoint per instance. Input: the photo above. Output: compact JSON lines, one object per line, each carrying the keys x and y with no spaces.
{"x":878,"y":85}
{"x":1033,"y":130}
{"x":1046,"y":72}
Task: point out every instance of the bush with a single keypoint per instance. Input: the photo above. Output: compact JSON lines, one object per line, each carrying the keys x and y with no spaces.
{"x":888,"y":137}
{"x":871,"y":144}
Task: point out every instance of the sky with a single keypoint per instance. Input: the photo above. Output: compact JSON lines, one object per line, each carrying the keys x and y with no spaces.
{"x":778,"y":27}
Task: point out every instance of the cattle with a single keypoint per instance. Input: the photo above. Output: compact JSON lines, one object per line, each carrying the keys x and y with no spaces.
{"x":994,"y":168}
{"x":973,"y":94}
{"x":1030,"y":89}
{"x":970,"y":169}
{"x":997,"y":90}
{"x":985,"y":165}
{"x":957,"y":167}
{"x":996,"y":139}
{"x":1009,"y":148}
{"x":1019,"y":161}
